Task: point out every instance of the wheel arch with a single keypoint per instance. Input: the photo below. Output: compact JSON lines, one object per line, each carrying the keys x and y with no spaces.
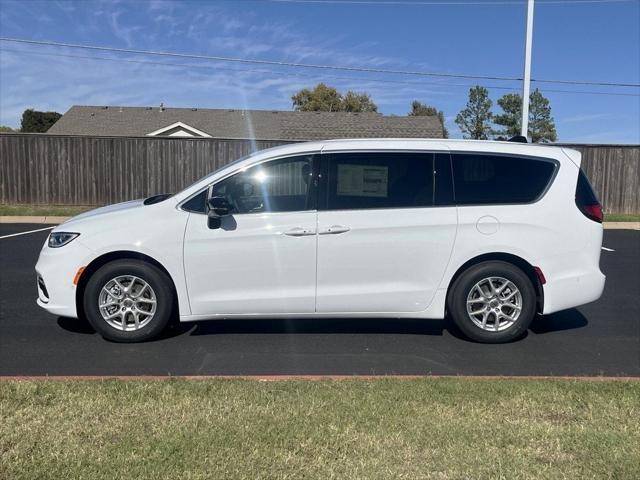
{"x":515,"y":260}
{"x":103,"y":259}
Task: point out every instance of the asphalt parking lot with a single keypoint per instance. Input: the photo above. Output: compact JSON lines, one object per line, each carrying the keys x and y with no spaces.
{"x":602,"y":338}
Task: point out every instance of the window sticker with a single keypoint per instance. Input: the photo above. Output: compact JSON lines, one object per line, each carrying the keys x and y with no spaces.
{"x":362,"y":180}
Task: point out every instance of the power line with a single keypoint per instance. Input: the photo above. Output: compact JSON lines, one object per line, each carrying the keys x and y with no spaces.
{"x":298,"y":74}
{"x":449,"y":3}
{"x":304,"y":65}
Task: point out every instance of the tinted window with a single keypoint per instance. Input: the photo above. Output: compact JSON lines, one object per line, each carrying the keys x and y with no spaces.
{"x":379,"y":180}
{"x":276,"y":186}
{"x":486,"y":179}
{"x":197,"y":204}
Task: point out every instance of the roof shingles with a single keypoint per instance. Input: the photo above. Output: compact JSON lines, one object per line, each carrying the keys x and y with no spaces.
{"x":224,"y":123}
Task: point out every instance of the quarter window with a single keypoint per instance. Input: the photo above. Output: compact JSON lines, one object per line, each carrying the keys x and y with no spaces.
{"x":381,"y":180}
{"x":498,"y":179}
{"x":197,"y":203}
{"x":277,"y":186}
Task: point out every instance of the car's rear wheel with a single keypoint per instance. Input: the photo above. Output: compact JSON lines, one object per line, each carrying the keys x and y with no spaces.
{"x":128,"y":300}
{"x":492,"y":302}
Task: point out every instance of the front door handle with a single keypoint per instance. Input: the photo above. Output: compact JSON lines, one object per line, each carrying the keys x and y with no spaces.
{"x":300,"y":232}
{"x":334,"y":230}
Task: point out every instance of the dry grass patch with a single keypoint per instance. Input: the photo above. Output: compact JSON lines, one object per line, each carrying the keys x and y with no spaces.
{"x":228,"y":429}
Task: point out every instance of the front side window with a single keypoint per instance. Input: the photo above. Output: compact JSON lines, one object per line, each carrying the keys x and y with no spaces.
{"x":499,"y":179}
{"x":283,"y":185}
{"x":369,"y":180}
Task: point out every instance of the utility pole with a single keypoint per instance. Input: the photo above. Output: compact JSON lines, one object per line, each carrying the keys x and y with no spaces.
{"x":526,"y":83}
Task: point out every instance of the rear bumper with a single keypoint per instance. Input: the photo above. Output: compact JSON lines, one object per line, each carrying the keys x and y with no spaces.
{"x":573,"y":291}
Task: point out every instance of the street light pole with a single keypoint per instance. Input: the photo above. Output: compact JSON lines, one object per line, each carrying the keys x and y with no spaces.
{"x":527,"y":71}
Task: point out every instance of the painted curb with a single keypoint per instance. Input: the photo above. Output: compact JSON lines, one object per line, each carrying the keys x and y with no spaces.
{"x":310,"y":378}
{"x":56,"y":220}
{"x":305,"y":378}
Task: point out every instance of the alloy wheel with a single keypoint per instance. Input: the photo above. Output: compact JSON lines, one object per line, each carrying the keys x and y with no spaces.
{"x":494,"y":304}
{"x":127,"y":303}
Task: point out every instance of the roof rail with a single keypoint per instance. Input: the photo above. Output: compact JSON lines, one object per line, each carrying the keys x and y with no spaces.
{"x":518,"y":139}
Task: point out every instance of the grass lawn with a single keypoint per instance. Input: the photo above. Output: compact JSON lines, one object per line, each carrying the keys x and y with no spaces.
{"x":443,"y":428}
{"x":621,"y":217}
{"x":43,"y":210}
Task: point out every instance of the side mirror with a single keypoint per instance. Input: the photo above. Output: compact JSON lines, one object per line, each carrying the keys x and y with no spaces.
{"x":218,"y":207}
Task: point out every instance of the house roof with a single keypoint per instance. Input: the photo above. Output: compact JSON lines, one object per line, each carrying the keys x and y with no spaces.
{"x":258,"y":124}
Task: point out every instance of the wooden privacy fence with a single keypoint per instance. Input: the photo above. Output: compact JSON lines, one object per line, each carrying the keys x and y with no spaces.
{"x":83,"y":170}
{"x":614,"y":172}
{"x":80,"y":170}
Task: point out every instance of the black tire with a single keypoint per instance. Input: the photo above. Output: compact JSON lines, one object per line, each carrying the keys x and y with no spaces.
{"x":458,"y":294}
{"x":157,"y":280}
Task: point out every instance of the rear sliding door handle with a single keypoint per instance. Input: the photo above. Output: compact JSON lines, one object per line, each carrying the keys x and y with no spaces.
{"x":334,"y":230}
{"x":299,"y":232}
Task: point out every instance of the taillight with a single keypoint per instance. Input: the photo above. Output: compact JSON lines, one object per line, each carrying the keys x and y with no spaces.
{"x":586,"y":199}
{"x":593,"y":212}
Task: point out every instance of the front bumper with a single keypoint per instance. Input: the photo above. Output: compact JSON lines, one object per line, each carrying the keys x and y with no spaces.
{"x":56,"y":269}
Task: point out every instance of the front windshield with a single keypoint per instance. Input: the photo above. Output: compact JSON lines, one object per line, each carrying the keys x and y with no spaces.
{"x":217,"y":170}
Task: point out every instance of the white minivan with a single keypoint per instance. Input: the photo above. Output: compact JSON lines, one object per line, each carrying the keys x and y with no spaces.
{"x":490,"y":233}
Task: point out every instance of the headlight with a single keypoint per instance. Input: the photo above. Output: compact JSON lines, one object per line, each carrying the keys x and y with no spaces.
{"x":60,"y":239}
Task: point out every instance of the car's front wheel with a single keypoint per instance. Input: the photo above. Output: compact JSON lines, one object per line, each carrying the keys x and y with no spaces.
{"x":128,"y":300}
{"x":492,"y":302}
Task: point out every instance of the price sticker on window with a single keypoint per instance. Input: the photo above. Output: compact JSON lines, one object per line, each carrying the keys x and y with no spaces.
{"x":363,"y":180}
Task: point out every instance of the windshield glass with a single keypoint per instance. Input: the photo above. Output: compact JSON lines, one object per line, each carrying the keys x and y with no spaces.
{"x":217,"y":170}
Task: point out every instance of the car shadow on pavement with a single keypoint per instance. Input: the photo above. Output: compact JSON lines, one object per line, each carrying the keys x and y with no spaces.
{"x":566,"y":320}
{"x":324,"y":326}
{"x":75,"y":325}
{"x":559,"y":321}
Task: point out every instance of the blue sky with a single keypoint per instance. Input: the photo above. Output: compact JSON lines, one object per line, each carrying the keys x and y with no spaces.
{"x":580,"y":41}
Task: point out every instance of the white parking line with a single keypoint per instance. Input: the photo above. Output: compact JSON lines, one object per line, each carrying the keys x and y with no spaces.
{"x":608,"y":249}
{"x":26,"y":233}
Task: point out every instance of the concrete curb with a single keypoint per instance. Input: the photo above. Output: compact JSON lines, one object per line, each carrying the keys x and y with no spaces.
{"x":622,"y":225}
{"x":51,"y":220}
{"x":57,"y":220}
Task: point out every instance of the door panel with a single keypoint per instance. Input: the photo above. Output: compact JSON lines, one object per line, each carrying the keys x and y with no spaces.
{"x":386,"y":230}
{"x":388,"y":260}
{"x":253,"y":264}
{"x":263,"y":258}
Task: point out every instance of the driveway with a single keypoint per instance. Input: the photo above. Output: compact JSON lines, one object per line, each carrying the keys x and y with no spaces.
{"x":602,"y":338}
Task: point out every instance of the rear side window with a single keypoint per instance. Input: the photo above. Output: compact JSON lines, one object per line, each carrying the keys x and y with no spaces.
{"x":499,"y":179}
{"x":373,"y":180}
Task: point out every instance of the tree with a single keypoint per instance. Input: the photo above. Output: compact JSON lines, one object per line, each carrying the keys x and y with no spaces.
{"x":323,"y":98}
{"x":4,"y":129}
{"x":475,"y":119}
{"x":510,"y":118}
{"x":541,"y":129}
{"x":35,"y":121}
{"x":358,"y":102}
{"x":419,"y":109}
